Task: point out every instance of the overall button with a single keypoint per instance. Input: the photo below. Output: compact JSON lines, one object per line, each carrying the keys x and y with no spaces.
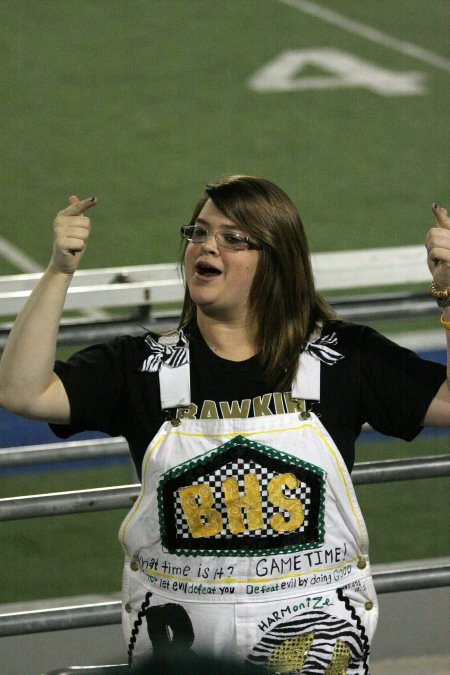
{"x":127,"y":607}
{"x":361,"y":564}
{"x":175,"y":422}
{"x":134,"y":565}
{"x":369,"y":605}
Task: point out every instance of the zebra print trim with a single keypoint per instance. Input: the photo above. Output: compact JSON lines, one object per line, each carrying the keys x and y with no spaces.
{"x":364,"y":639}
{"x":137,"y":623}
{"x":322,"y":349}
{"x":171,"y":355}
{"x":305,"y":643}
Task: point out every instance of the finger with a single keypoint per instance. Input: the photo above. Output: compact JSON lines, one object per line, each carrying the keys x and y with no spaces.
{"x":441,"y":215}
{"x":73,"y":243}
{"x":438,"y":235}
{"x":439,"y":256}
{"x":78,"y":207}
{"x":73,"y":239}
{"x":74,"y":246}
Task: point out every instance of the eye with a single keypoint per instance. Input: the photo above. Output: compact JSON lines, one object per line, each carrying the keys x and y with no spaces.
{"x":199,"y":232}
{"x":234,"y":238}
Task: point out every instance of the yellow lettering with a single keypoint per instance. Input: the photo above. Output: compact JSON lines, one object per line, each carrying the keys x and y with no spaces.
{"x":278,"y":403}
{"x":209,"y":411}
{"x":261,"y":405}
{"x":235,"y":410}
{"x":196,"y":502}
{"x":293,"y":405}
{"x":339,"y":660}
{"x":236,"y":503}
{"x":187,"y":413}
{"x":293,"y":506}
{"x":290,"y":655}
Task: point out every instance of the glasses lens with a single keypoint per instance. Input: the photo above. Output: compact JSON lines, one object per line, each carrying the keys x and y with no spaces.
{"x":198,"y":234}
{"x":186,"y":232}
{"x":231,"y":240}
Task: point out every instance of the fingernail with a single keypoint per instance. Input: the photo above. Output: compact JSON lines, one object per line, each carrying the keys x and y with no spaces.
{"x":92,"y":200}
{"x":435,"y":205}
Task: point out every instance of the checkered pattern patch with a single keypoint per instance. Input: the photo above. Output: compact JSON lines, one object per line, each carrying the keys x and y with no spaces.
{"x":237,"y":469}
{"x":242,"y":498}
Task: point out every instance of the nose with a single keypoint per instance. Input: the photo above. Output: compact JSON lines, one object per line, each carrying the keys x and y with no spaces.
{"x":210,"y":243}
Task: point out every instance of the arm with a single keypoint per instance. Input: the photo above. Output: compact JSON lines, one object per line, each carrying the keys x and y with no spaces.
{"x":438,"y":248}
{"x":28,"y":385}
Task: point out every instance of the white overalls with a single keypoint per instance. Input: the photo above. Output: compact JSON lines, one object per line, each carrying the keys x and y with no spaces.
{"x":247,"y":540}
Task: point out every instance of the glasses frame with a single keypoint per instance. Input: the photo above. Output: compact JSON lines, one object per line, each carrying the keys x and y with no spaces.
{"x":186,"y":232}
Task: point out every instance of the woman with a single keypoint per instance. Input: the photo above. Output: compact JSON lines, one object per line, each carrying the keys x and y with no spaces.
{"x":246,"y":538}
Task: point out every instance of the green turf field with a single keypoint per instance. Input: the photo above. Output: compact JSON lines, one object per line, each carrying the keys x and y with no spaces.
{"x":142,"y":103}
{"x":79,"y":554}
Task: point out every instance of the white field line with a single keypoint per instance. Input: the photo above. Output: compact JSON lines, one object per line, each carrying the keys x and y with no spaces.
{"x":361,"y":29}
{"x":25,"y":264}
{"x":15,"y":256}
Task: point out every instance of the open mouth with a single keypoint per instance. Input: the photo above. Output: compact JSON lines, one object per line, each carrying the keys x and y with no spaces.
{"x":204,"y":269}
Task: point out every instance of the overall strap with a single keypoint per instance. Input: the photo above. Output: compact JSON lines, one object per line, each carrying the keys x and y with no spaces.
{"x":306,"y":384}
{"x":174,"y":379}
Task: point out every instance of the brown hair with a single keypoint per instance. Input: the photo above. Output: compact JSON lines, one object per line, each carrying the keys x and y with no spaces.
{"x":283,"y":301}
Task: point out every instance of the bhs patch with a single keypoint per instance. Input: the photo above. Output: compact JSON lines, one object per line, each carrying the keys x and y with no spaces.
{"x":242,"y":498}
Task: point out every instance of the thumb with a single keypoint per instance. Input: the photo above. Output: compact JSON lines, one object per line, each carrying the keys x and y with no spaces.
{"x":77,"y":207}
{"x":441,"y":215}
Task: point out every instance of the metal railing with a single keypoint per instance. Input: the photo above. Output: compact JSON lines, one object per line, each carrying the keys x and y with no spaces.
{"x":103,"y":448}
{"x":400,"y":577}
{"x":102,"y":499}
{"x":362,"y":307}
{"x":150,"y":286}
{"x":49,"y":453}
{"x":148,"y":290}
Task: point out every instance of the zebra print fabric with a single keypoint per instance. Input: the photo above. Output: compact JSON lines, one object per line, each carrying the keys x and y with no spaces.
{"x":313,"y":643}
{"x":171,"y":355}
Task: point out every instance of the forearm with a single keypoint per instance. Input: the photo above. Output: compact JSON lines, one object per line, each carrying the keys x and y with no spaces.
{"x":28,"y":385}
{"x":26,"y":366}
{"x":446,"y":318}
{"x":438,"y":249}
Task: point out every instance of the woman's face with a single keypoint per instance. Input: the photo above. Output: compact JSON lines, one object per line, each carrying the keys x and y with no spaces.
{"x":219,"y":279}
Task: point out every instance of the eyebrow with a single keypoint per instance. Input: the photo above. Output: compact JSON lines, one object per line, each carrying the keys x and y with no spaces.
{"x":233,"y":226}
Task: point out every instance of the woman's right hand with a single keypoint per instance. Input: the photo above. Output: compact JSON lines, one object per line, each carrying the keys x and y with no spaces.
{"x":71,"y":231}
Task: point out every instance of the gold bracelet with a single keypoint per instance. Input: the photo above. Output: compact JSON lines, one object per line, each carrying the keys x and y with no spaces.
{"x":439,"y":293}
{"x":445,"y":323}
{"x":442,"y":297}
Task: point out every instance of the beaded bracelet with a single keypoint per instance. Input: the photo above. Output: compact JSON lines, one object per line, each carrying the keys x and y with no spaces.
{"x":439,"y":293}
{"x":445,"y":323}
{"x":442,"y":296}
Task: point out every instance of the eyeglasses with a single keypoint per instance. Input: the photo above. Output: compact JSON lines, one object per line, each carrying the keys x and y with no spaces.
{"x":231,"y":240}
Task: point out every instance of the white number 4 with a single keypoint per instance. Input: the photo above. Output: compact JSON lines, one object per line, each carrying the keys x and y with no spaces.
{"x":344,"y":70}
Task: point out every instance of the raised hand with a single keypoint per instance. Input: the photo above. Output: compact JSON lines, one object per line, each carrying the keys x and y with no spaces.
{"x":438,"y":248}
{"x":71,"y":230}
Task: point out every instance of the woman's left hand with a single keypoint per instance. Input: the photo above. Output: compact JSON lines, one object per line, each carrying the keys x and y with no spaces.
{"x":438,"y":248}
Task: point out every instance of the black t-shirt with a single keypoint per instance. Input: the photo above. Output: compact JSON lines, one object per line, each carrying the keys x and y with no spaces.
{"x":372,"y":380}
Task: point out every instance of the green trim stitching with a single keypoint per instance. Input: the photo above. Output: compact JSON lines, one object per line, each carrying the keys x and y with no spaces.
{"x":254,"y":445}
